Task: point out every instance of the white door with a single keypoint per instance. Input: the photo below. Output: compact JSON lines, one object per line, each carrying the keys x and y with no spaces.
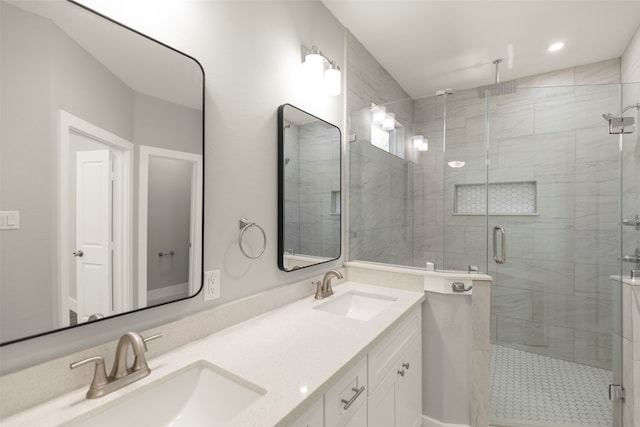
{"x":93,"y":231}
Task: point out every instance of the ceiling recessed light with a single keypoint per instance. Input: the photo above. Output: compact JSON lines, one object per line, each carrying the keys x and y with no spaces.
{"x":556,"y":47}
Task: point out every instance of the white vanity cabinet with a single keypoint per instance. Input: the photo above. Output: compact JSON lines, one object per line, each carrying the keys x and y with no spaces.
{"x":395,"y":377}
{"x":345,"y":402}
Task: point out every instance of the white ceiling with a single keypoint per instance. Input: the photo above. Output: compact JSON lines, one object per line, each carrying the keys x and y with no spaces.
{"x":145,"y":66}
{"x":428,"y":45}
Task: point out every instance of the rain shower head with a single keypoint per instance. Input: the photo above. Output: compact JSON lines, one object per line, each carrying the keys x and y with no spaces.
{"x":498,"y":88}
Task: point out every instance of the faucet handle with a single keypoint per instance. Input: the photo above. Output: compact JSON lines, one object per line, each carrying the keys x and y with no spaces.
{"x":318,"y":294}
{"x":99,"y":374}
{"x":151,"y":338}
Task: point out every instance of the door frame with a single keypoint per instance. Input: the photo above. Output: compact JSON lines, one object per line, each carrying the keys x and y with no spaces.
{"x":195,"y":226}
{"x":122,"y":244}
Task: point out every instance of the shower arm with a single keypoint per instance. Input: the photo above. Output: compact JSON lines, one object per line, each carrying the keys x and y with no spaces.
{"x":631,"y":107}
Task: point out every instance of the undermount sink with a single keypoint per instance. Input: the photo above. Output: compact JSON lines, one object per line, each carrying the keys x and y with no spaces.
{"x":357,"y":305}
{"x":198,"y":395}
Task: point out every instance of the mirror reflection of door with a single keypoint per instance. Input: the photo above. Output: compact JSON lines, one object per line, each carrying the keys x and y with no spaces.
{"x":93,"y":233}
{"x":169,"y":214}
{"x":95,"y":222}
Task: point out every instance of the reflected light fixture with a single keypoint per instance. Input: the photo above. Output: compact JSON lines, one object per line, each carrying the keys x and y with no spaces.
{"x":322,"y":72}
{"x":424,"y":146}
{"x":389,"y":122}
{"x":456,"y":164}
{"x":378,"y":113}
{"x":417,"y":141}
{"x":554,"y":47}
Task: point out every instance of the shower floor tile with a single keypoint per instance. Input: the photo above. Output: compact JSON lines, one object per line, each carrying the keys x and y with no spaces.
{"x":528,"y":389}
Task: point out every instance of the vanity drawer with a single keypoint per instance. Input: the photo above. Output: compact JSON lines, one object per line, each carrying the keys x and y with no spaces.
{"x":342,"y":401}
{"x":385,"y":354}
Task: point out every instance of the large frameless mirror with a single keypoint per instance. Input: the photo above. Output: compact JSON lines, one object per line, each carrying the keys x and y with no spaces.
{"x":101,"y":169}
{"x":309,"y":180}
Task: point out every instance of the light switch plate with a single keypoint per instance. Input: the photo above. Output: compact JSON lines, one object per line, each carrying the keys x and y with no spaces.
{"x":9,"y":220}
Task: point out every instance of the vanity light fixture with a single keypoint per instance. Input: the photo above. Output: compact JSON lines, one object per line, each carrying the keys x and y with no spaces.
{"x":418,"y":140}
{"x":321,"y":71}
{"x":378,"y":113}
{"x":424,"y":146}
{"x":456,"y":164}
{"x":332,"y":79}
{"x":389,"y":122}
{"x":554,"y":47}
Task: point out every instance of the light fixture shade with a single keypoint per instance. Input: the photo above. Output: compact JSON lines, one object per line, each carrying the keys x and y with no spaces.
{"x":456,"y":164}
{"x":417,"y":141}
{"x":389,"y":122}
{"x":314,"y":68}
{"x":378,"y":115}
{"x":333,"y":80}
{"x":424,"y":146}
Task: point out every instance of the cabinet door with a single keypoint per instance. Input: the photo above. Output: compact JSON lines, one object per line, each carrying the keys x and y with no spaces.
{"x":408,"y":388}
{"x":359,"y":419}
{"x":314,"y":417}
{"x":382,"y":402}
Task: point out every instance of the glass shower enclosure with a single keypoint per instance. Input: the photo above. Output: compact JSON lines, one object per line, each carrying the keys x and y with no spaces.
{"x":530,"y":186}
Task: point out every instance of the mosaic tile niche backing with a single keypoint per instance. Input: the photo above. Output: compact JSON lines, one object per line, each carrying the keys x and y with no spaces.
{"x":505,"y":198}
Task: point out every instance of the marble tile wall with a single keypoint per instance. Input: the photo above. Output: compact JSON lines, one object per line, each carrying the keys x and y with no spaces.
{"x":367,"y":80}
{"x":312,"y":227}
{"x":627,"y":338}
{"x":381,"y":185}
{"x":553,"y":295}
{"x":630,"y":61}
{"x":381,"y":205}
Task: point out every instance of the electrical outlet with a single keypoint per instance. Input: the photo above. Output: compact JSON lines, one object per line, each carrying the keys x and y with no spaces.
{"x":211,"y":285}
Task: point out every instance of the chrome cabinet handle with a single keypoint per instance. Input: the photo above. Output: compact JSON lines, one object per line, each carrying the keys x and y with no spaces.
{"x":503,"y":243}
{"x":401,"y":373}
{"x":78,"y":253}
{"x":406,"y":365}
{"x":349,"y":402}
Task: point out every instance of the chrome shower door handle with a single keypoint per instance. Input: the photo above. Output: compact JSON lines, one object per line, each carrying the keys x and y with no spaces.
{"x":503,"y":245}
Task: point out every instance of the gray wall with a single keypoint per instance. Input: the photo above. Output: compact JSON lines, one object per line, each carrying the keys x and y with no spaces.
{"x":243,"y":92}
{"x":29,"y":132}
{"x":169,"y":220}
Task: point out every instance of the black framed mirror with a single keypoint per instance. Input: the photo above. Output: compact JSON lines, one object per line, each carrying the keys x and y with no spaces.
{"x":101,"y":169}
{"x":309,"y":189}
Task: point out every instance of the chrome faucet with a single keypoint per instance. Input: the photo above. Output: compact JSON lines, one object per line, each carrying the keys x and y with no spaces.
{"x":323,"y":289}
{"x":121,"y":374}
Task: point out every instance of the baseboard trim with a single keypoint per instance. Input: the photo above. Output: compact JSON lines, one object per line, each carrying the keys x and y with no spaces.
{"x":432,"y":422}
{"x":174,"y":291}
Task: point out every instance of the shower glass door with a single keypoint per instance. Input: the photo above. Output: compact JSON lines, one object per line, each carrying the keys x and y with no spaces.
{"x":553,"y":241}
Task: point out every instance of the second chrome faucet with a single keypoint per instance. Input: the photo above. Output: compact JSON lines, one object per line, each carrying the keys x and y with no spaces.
{"x":323,"y":289}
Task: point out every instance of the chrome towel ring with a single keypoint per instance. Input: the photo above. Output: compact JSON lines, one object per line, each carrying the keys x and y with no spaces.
{"x":245,"y":224}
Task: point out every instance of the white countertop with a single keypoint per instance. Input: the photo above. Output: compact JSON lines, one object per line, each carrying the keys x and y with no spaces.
{"x":280,"y":351}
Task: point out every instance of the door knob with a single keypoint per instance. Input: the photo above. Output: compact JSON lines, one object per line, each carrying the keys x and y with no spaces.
{"x":78,"y":253}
